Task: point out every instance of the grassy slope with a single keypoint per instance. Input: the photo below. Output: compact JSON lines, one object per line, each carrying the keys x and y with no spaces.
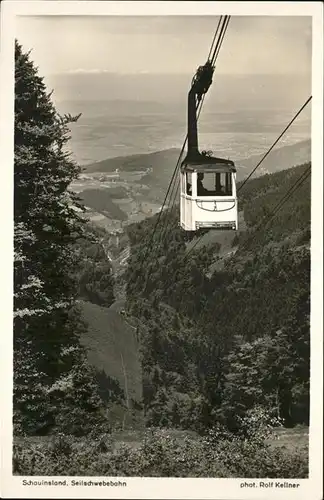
{"x":100,"y":200}
{"x":290,"y":438}
{"x":110,"y":343}
{"x":223,"y":238}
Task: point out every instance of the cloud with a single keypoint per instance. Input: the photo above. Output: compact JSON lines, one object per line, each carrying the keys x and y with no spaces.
{"x":85,"y":71}
{"x":98,"y":71}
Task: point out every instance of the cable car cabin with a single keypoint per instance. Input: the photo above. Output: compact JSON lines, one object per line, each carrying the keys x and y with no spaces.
{"x":208,"y":191}
{"x":208,"y":195}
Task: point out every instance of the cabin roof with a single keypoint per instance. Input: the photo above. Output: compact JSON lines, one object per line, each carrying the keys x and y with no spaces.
{"x":198,"y":162}
{"x":208,"y":167}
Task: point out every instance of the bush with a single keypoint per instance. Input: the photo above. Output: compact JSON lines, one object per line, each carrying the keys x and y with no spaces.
{"x":160,"y":454}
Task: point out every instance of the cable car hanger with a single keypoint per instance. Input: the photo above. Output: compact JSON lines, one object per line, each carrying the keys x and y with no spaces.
{"x":201,"y":207}
{"x":200,"y":85}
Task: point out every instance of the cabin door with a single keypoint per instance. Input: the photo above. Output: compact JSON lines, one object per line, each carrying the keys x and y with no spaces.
{"x":186,"y":182}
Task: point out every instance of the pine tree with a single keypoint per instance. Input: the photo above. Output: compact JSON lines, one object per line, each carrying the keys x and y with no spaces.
{"x":46,"y":323}
{"x":273,"y":371}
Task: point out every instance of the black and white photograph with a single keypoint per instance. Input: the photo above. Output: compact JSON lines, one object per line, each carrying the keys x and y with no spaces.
{"x":164,"y":174}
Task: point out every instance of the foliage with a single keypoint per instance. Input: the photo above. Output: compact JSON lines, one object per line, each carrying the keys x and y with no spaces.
{"x":94,"y":271}
{"x":161,"y":453}
{"x":51,"y":380}
{"x":218,"y":340}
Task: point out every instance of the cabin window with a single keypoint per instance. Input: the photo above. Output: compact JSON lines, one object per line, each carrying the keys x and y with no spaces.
{"x":226,"y":181}
{"x":183,"y":182}
{"x":214,"y":184}
{"x":189,"y":183}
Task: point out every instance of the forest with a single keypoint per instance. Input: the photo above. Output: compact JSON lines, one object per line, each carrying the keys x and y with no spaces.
{"x":238,"y":337}
{"x":222,"y":340}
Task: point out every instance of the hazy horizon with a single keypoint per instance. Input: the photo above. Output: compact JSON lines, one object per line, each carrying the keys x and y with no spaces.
{"x":222,"y":75}
{"x":231,"y":92}
{"x":166,"y":44}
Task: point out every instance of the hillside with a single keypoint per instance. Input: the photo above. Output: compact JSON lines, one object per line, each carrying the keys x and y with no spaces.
{"x":100,"y":200}
{"x":113,"y":350}
{"x":257,"y":301}
{"x":279,"y":159}
{"x":158,"y":161}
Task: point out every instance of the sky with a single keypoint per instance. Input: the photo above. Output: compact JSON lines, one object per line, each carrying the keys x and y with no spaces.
{"x":165,"y":45}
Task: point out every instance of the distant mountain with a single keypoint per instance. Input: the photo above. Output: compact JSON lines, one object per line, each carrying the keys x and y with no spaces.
{"x":158,"y":161}
{"x":279,"y":159}
{"x":163,"y":162}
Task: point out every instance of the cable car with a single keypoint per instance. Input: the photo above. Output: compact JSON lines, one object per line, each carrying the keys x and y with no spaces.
{"x":208,"y":196}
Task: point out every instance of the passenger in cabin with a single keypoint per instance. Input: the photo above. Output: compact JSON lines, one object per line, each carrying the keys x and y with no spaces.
{"x":201,"y":190}
{"x":189,"y":192}
{"x":227,"y":190}
{"x":220,"y":191}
